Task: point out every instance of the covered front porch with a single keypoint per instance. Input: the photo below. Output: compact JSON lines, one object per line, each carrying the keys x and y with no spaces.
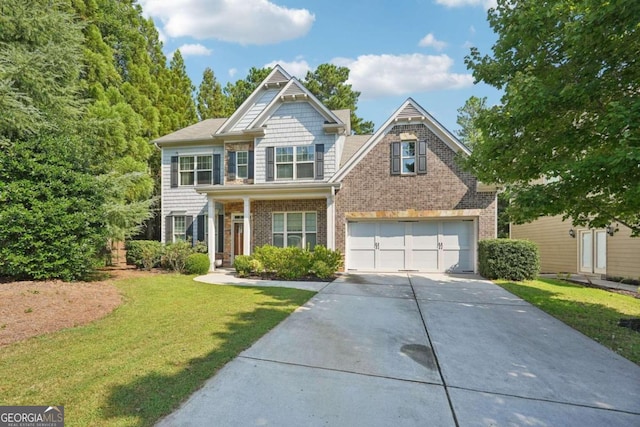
{"x":255,"y":215}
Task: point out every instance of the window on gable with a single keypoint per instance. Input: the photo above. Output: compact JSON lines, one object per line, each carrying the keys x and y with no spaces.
{"x":295,"y":229}
{"x":195,"y":170}
{"x":295,"y":162}
{"x":242,"y":164}
{"x":408,"y":157}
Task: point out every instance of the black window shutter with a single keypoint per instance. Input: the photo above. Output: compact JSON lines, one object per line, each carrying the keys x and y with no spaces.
{"x":189,"y":224}
{"x":174,"y":171}
{"x":168,"y":233}
{"x":220,"y":234}
{"x":395,"y":158}
{"x":231,"y":165}
{"x":319,"y":161}
{"x":422,"y":157}
{"x":200,"y":236}
{"x":216,"y":169}
{"x":250,"y":175}
{"x":270,"y":164}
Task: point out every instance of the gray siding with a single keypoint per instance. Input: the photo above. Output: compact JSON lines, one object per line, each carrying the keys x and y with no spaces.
{"x":292,"y":124}
{"x":256,"y":109}
{"x":182,"y":199}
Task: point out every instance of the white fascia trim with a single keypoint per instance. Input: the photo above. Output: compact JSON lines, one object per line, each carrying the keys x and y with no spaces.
{"x":426,"y":119}
{"x":269,"y":191}
{"x":244,"y":107}
{"x":278,"y":99}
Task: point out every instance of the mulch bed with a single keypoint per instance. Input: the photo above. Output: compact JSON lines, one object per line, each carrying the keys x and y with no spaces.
{"x":29,"y":309}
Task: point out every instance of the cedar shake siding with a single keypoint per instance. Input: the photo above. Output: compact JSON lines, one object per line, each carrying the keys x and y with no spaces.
{"x":445,"y":191}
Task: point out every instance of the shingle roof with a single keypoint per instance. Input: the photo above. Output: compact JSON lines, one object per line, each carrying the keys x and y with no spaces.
{"x":345,"y":116}
{"x":351,"y":144}
{"x":200,"y":131}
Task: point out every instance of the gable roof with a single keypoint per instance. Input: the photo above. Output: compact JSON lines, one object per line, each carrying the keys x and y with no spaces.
{"x":293,"y":91}
{"x":410,"y":112}
{"x":200,"y":131}
{"x":276,"y":79}
{"x":352,"y":144}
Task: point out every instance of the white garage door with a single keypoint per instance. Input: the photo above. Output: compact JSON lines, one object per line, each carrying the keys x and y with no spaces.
{"x":432,"y":246}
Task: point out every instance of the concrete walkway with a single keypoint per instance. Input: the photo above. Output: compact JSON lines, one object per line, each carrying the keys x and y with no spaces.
{"x":418,"y":350}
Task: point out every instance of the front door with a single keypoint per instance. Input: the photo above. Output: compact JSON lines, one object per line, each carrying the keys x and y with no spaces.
{"x":593,"y":251}
{"x":238,"y":239}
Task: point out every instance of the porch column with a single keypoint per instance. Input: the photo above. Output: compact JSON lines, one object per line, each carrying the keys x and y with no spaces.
{"x":331,"y":220}
{"x":247,"y":226}
{"x":211,"y":238}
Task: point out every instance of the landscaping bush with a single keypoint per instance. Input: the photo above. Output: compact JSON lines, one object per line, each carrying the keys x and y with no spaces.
{"x":197,"y":263}
{"x":175,"y":255}
{"x":242,"y":264}
{"x":508,"y":259}
{"x":143,"y":253}
{"x":289,"y":263}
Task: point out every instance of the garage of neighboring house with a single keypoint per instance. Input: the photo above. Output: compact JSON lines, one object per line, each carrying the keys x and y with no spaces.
{"x":411,"y":245}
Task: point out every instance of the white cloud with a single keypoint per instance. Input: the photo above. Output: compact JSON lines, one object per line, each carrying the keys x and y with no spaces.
{"x":386,"y":75}
{"x":233,"y":72}
{"x":194,"y":50}
{"x":297,"y":68}
{"x":430,"y":41}
{"x":462,"y":3}
{"x":246,"y":22}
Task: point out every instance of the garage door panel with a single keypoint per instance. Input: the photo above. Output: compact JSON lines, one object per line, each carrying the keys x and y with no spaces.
{"x":424,"y":246}
{"x":391,"y":260}
{"x":424,"y":260}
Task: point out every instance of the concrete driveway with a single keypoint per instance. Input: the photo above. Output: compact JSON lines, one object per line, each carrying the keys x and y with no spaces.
{"x":418,"y":350}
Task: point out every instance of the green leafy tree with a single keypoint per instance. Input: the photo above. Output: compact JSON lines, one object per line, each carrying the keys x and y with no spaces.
{"x":469,"y":132}
{"x":211,"y":102}
{"x":39,"y":57}
{"x":51,"y":209}
{"x":566,"y":135}
{"x":329,"y":84}
{"x":182,"y":96}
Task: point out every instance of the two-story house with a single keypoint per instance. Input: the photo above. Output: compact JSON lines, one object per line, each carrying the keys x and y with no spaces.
{"x":285,"y":170}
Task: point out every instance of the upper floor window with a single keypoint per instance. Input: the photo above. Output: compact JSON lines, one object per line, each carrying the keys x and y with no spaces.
{"x":408,"y":157}
{"x":195,"y":169}
{"x":242,"y":164}
{"x":295,"y":162}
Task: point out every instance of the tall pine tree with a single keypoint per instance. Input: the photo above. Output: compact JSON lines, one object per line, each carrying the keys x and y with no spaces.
{"x":211,"y":102}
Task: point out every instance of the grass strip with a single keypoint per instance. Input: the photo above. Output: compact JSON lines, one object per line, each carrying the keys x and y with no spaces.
{"x":141,"y":361}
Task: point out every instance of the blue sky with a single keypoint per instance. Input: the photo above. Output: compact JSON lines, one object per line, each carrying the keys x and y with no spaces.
{"x":394,"y":49}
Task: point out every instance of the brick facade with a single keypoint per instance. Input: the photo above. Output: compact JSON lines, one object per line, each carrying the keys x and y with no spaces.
{"x":370,"y":191}
{"x":261,"y":220}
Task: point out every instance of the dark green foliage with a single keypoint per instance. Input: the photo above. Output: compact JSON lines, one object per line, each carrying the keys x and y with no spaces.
{"x":565,"y":135}
{"x":508,"y":259}
{"x":144,"y":253}
{"x":51,"y":210}
{"x":211,"y":102}
{"x":329,"y":84}
{"x":197,"y":264}
{"x":289,"y":263}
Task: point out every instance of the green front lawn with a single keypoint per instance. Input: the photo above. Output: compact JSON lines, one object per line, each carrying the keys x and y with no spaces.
{"x":141,"y":361}
{"x":594,"y":312}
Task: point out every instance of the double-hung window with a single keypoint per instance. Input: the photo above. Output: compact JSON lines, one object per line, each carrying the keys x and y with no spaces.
{"x":242,"y":164}
{"x":195,"y":170}
{"x":295,"y":229}
{"x":295,"y":162}
{"x":408,"y":157}
{"x":179,"y":228}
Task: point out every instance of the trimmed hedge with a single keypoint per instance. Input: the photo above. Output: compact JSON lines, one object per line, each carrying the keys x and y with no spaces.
{"x":197,"y":263}
{"x":289,"y":263}
{"x":508,"y":259}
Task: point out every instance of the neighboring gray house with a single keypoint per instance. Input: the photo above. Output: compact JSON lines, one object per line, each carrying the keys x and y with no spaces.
{"x":285,"y":170}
